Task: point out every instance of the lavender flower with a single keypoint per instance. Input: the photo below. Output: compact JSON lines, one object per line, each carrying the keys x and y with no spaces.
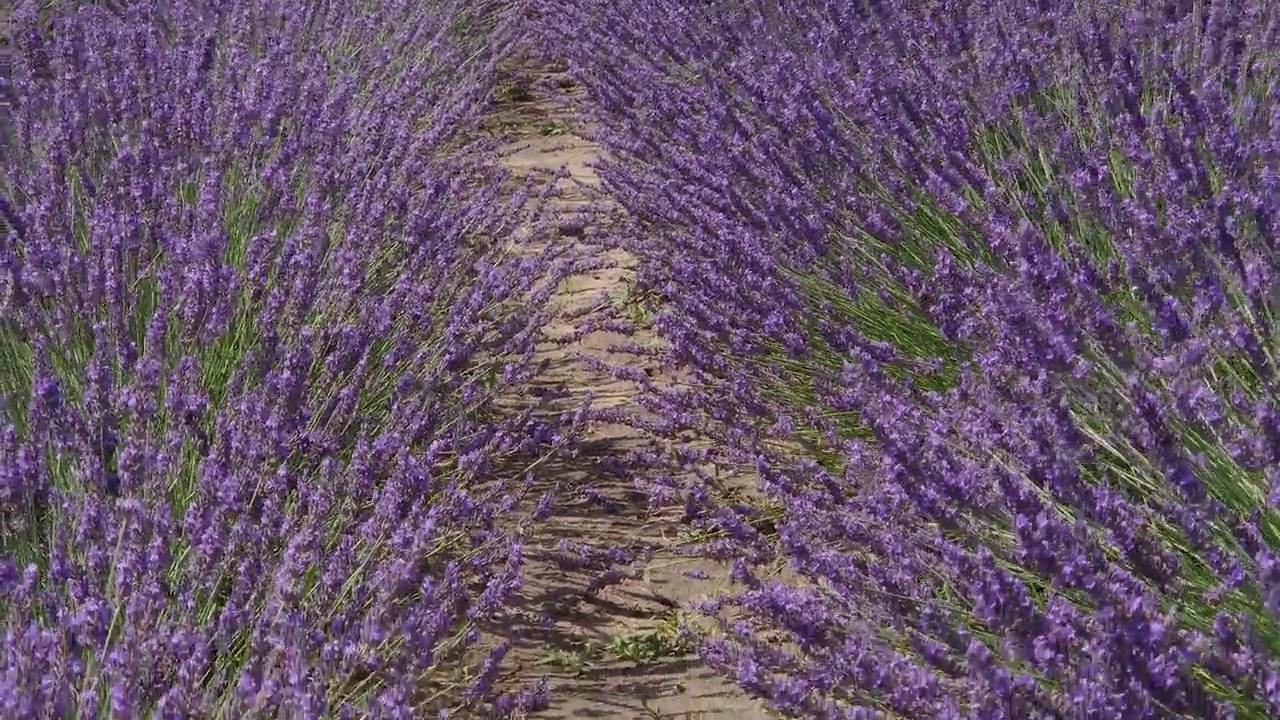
{"x":985,"y":293}
{"x":257,"y":308}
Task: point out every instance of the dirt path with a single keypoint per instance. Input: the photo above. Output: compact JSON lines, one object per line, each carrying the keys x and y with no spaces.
{"x":615,"y":653}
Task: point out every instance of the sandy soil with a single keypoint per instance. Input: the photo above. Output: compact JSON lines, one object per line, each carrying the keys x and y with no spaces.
{"x":586,"y":652}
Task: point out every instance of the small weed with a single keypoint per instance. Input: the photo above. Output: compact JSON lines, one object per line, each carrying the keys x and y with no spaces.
{"x":513,"y":92}
{"x":553,"y":129}
{"x":664,"y":642}
{"x":641,"y":306}
{"x":575,"y":659}
{"x":566,"y":660}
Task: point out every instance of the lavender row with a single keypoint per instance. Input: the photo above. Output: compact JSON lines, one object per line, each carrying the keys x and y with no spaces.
{"x":257,"y":305}
{"x":986,"y":294}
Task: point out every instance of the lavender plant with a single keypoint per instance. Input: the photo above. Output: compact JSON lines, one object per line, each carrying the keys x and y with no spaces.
{"x":258,"y":301}
{"x":985,"y":293}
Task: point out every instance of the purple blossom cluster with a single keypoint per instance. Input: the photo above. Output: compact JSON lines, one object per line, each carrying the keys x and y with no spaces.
{"x":986,"y":294}
{"x":258,"y":303}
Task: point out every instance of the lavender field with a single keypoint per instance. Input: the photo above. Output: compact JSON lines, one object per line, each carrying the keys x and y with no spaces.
{"x":640,"y":359}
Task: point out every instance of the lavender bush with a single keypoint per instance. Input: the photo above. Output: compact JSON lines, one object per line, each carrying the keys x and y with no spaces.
{"x":258,"y":301}
{"x":986,"y":294}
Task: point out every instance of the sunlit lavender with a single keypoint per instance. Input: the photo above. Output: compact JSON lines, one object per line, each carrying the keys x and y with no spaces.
{"x":982,"y":296}
{"x":985,"y":294}
{"x":257,"y":306}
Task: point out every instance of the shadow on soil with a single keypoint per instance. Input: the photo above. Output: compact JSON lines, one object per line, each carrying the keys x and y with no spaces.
{"x":613,"y":651}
